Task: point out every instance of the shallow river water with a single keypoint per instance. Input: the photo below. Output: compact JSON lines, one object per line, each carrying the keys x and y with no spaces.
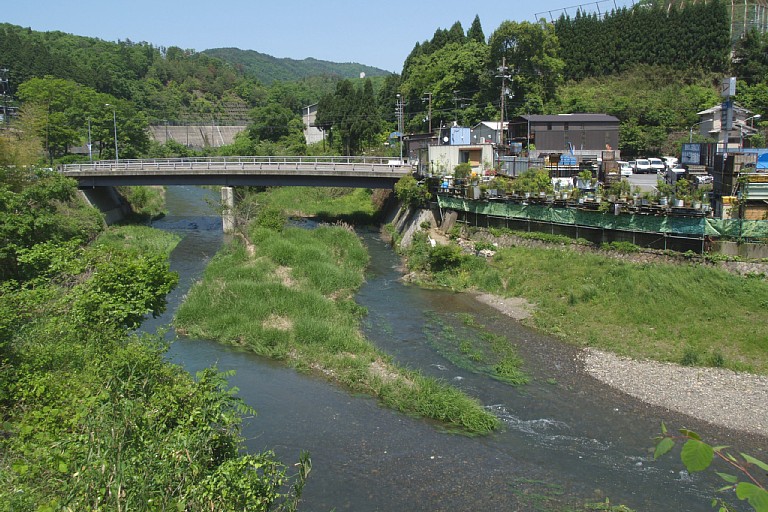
{"x":566,"y":438}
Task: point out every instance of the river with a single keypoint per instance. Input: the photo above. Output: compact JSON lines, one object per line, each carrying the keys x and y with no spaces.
{"x":566,"y":438}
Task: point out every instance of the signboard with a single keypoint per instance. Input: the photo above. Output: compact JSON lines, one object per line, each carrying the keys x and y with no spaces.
{"x":726,"y":116}
{"x":691,"y":154}
{"x":728,"y":87}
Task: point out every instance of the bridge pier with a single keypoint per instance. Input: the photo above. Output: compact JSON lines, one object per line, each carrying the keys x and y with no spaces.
{"x":227,"y":209}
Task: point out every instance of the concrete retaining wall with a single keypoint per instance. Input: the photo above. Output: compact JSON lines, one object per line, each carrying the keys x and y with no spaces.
{"x":108,"y":201}
{"x":196,"y":136}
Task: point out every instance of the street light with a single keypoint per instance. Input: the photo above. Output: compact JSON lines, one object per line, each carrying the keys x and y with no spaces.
{"x":756,"y":116}
{"x":114,"y":119}
{"x":690,"y":130}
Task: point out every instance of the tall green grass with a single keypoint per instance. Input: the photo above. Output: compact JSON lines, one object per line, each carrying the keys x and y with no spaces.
{"x":657,"y":311}
{"x":292,"y":300}
{"x":326,"y":203}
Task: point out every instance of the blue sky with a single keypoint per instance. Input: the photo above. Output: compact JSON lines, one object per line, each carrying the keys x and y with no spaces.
{"x":379,"y":34}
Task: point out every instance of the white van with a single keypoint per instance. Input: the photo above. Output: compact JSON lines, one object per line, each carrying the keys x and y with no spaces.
{"x":643,"y":166}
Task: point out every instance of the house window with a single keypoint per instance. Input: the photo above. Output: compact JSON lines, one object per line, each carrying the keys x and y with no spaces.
{"x":565,"y":127}
{"x":549,"y":126}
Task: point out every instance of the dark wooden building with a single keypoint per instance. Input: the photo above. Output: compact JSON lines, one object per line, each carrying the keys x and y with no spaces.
{"x":561,"y":133}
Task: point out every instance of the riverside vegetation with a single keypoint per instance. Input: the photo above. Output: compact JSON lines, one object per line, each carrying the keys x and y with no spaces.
{"x":685,"y":313}
{"x":287,"y":293}
{"x":93,"y":417}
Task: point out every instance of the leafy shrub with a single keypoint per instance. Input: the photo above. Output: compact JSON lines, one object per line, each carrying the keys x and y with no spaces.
{"x":271,"y":218}
{"x":410,"y":191}
{"x":444,"y":257}
{"x":749,"y":484}
{"x":482,"y":245}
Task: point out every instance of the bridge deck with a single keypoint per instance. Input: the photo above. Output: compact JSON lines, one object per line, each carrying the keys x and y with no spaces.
{"x":237,"y":171}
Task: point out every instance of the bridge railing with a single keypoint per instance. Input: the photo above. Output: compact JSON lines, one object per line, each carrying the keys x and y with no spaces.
{"x":235,"y":163}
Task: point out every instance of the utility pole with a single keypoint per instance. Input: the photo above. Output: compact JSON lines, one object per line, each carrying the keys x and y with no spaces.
{"x":429,"y":110}
{"x":504,"y":76}
{"x":400,"y":128}
{"x":4,"y":92}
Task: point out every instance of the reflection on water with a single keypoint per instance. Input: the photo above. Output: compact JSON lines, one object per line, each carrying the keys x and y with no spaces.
{"x":563,"y":435}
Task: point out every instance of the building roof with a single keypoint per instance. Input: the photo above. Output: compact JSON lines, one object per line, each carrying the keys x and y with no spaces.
{"x":570,"y":118}
{"x":493,"y":125}
{"x":717,"y":108}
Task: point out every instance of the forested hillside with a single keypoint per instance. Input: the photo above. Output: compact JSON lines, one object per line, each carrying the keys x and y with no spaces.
{"x":268,"y":69}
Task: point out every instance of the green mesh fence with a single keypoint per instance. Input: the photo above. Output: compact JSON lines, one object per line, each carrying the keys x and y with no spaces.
{"x":688,"y":226}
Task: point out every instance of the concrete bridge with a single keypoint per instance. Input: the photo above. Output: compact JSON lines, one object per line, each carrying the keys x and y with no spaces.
{"x":270,"y":171}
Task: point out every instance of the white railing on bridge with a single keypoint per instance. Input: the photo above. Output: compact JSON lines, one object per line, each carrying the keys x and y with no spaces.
{"x":244,"y":163}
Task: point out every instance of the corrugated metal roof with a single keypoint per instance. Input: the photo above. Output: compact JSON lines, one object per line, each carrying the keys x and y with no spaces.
{"x":757,"y":192}
{"x":570,"y":118}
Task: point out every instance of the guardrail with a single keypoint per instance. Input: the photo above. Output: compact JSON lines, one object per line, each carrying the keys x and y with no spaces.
{"x":242,"y":163}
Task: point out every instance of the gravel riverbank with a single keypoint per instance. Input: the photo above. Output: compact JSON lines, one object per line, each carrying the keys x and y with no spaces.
{"x":722,"y":397}
{"x":725,"y":398}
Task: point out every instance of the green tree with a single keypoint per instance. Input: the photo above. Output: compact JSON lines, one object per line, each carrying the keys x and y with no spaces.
{"x":455,"y":75}
{"x":750,"y":59}
{"x":475,"y":31}
{"x":349,"y":116}
{"x":411,"y":192}
{"x":271,"y":122}
{"x":530,"y":52}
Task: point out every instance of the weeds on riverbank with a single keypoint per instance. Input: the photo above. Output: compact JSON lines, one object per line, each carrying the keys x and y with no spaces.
{"x":292,"y":300}
{"x":473,"y":348}
{"x":657,"y":311}
{"x":357,"y":206}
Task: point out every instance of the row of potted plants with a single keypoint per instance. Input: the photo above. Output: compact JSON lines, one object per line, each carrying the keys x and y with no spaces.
{"x":537,"y":184}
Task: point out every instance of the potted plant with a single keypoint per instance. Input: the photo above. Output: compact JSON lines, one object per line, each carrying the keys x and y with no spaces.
{"x":619,"y":190}
{"x":664,"y":190}
{"x":584,"y":180}
{"x":683,"y":192}
{"x":599,"y":193}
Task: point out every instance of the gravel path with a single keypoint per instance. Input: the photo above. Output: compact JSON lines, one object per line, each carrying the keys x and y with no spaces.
{"x":722,"y":397}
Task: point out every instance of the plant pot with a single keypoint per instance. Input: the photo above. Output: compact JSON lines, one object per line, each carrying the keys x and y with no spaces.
{"x":663,"y":201}
{"x":678,"y":203}
{"x":696,"y":205}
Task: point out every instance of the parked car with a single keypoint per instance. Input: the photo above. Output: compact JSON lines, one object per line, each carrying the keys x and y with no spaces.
{"x":702,"y":179}
{"x":657,"y":165}
{"x":643,"y":166}
{"x":670,"y":161}
{"x":624,"y":168}
{"x":633,"y":165}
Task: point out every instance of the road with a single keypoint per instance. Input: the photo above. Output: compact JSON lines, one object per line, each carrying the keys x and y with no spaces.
{"x":646,"y":182}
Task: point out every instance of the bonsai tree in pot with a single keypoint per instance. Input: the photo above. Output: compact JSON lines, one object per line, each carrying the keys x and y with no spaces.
{"x":683,"y":191}
{"x":619,"y":189}
{"x":462,"y":171}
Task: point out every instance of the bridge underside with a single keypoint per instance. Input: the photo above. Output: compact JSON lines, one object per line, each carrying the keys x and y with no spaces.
{"x":238,"y":180}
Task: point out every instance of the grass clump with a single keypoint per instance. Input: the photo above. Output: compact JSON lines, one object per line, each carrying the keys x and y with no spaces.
{"x":469,"y":345}
{"x":292,"y":300}
{"x":625,"y":247}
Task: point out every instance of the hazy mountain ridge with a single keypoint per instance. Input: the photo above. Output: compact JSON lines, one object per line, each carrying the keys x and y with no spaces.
{"x":269,"y":69}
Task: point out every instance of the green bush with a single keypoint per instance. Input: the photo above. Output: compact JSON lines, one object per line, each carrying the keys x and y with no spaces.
{"x":444,"y":257}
